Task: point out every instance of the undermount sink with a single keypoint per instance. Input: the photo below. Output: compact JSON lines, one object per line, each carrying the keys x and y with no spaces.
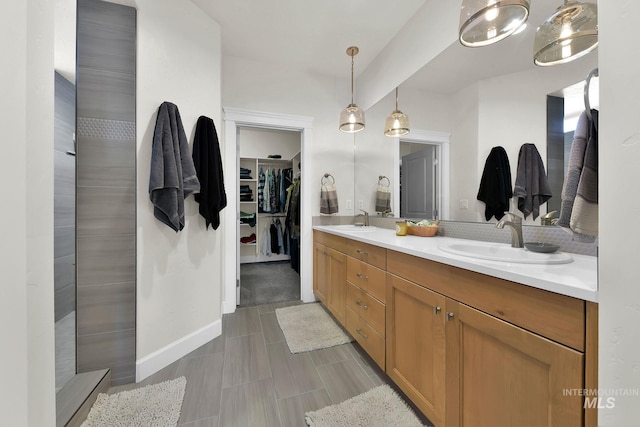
{"x":351,"y":227}
{"x":504,"y":253}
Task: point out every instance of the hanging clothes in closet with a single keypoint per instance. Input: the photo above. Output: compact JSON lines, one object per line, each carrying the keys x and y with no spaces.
{"x":292,"y":222}
{"x":272,"y":185}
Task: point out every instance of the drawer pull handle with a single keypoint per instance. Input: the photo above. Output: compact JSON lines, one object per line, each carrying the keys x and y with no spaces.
{"x":360,"y":251}
{"x":450,"y":315}
{"x":362,"y":276}
{"x":359,"y":331}
{"x":362,"y":306}
{"x":437,"y":310}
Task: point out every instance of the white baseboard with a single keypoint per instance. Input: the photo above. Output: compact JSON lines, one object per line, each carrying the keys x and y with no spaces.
{"x":165,"y":356}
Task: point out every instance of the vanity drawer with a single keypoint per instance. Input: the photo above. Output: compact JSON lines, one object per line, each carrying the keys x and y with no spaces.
{"x":367,"y":337}
{"x":367,"y":277}
{"x":557,"y":317}
{"x":331,"y":240}
{"x":367,"y":307}
{"x":373,"y":255}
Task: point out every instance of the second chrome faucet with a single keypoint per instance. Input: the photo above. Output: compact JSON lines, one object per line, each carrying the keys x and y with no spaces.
{"x":515,"y":223}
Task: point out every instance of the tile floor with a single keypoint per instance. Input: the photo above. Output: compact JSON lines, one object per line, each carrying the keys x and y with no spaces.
{"x":247,"y":376}
{"x":268,"y":282}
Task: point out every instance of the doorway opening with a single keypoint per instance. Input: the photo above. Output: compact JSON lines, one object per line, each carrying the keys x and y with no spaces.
{"x":269,"y":209}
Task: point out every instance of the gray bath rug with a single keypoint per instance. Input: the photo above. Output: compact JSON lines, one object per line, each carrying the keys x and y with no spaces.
{"x":308,"y":327}
{"x":156,"y":405}
{"x":378,"y":407}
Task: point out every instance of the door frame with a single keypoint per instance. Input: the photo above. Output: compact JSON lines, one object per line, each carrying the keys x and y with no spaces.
{"x":442,"y":142}
{"x":233,"y":119}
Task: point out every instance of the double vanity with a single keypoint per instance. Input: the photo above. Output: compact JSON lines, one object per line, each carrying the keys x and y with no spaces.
{"x":474,"y":333}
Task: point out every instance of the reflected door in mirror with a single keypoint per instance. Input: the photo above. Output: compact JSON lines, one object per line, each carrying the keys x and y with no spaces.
{"x":418,"y":184}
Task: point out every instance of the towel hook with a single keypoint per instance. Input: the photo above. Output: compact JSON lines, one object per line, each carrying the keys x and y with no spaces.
{"x":587,"y":104}
{"x":326,"y":176}
{"x":381,"y":177}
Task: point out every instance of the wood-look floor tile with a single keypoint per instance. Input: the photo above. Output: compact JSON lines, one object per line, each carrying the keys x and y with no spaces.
{"x":204,"y":385}
{"x":245,"y":360}
{"x":334,"y":354}
{"x":216,"y":345}
{"x":292,"y":409}
{"x":208,"y":422}
{"x":292,"y":373}
{"x":271,"y":328}
{"x":363,"y":359}
{"x":245,"y":321}
{"x":344,"y":380}
{"x":271,"y":307}
{"x":251,"y":404}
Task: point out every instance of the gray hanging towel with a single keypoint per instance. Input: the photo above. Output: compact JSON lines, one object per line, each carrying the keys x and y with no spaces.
{"x":584,"y":216}
{"x":328,"y":199}
{"x":173,"y":176}
{"x":532,"y":186}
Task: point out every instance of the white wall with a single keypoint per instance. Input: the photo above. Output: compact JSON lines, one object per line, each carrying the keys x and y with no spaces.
{"x":260,"y":143}
{"x":619,"y":175}
{"x":271,"y":88}
{"x":27,"y":394}
{"x":179,"y":275}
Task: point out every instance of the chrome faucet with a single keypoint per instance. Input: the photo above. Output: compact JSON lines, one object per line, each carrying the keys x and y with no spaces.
{"x":366,"y":217}
{"x":516,"y":229}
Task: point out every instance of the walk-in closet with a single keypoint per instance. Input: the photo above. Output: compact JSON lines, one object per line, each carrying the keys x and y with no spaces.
{"x":269,"y":215}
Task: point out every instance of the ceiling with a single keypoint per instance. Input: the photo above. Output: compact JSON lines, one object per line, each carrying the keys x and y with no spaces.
{"x":310,"y":36}
{"x":313,"y":37}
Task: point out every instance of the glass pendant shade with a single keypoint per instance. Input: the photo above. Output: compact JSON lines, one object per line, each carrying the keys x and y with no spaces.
{"x":568,"y":34}
{"x":351,"y":119}
{"x":397,"y":124}
{"x":483,"y":22}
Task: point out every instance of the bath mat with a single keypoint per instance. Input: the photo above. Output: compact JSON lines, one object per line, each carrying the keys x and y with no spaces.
{"x":378,"y":407}
{"x":156,"y":405}
{"x":308,"y":327}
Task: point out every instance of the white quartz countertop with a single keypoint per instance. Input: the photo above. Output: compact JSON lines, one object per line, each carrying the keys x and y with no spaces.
{"x":578,"y":279}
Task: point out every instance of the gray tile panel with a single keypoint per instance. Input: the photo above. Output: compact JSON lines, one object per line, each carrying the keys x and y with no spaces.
{"x":64,"y":303}
{"x":64,"y":271}
{"x":245,"y":360}
{"x":252,"y":404}
{"x":344,"y":380}
{"x":106,"y":95}
{"x":116,"y":350}
{"x":106,"y":36}
{"x":203,"y":392}
{"x":292,"y":409}
{"x":64,"y":175}
{"x":106,"y":210}
{"x":64,"y":211}
{"x":106,"y":162}
{"x":106,"y":308}
{"x":106,"y":259}
{"x":293,"y":374}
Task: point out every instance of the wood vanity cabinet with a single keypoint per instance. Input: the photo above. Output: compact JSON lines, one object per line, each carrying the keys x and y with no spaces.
{"x":468,"y":349}
{"x":329,"y":273}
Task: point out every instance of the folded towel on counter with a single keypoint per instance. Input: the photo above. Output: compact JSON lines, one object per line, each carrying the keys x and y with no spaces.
{"x":495,"y":184}
{"x":532,"y":186}
{"x":208,"y":162}
{"x":383,"y":199}
{"x":173,"y":176}
{"x":328,"y":199}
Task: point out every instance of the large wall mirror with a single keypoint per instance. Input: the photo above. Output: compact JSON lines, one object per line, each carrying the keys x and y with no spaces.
{"x":477,"y":98}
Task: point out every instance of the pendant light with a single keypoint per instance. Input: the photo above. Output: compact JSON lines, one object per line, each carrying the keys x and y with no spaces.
{"x":397,"y":124}
{"x":352,"y":117}
{"x":483,"y":22}
{"x":571,"y":32}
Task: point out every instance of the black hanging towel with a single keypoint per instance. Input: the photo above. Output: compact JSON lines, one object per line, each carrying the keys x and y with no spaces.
{"x":495,"y":185}
{"x":208,"y":163}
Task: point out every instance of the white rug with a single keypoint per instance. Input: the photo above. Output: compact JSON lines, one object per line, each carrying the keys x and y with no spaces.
{"x":378,"y":407}
{"x":308,"y":327}
{"x":156,"y":405}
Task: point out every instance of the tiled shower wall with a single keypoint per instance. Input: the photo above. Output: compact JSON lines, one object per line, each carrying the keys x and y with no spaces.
{"x":106,"y":180}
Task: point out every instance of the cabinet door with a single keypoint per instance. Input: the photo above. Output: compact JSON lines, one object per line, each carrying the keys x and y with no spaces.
{"x":337,"y":297}
{"x":416,"y":345}
{"x":320,"y":272}
{"x":501,"y":375}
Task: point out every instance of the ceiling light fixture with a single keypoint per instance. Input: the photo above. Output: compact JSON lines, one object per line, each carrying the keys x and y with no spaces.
{"x":483,"y":22}
{"x":397,"y":124}
{"x":352,"y":117}
{"x":571,"y":32}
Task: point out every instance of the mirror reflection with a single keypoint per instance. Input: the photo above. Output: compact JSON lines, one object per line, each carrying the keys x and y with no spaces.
{"x":469,"y":101}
